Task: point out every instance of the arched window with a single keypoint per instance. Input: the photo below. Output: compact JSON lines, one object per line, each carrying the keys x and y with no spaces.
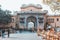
{"x":21,"y":20}
{"x":41,"y":20}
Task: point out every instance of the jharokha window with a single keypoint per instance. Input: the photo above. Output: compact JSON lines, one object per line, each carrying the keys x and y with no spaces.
{"x":40,"y":20}
{"x":51,"y":20}
{"x":57,"y":19}
{"x":21,"y":20}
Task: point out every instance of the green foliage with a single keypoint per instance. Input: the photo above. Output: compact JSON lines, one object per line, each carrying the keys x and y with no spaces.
{"x":5,"y":17}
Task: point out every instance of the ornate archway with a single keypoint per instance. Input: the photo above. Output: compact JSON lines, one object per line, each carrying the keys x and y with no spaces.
{"x":31,"y":22}
{"x":30,"y":25}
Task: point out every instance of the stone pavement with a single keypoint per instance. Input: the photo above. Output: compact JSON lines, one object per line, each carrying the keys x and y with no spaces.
{"x":22,"y":36}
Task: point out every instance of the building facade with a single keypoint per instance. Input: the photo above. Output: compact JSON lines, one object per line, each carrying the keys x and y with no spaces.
{"x":32,"y":16}
{"x":54,"y":21}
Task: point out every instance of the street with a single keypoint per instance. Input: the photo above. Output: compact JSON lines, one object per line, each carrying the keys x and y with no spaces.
{"x":22,"y":36}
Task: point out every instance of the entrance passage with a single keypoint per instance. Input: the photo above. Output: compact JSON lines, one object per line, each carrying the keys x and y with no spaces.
{"x":31,"y":22}
{"x":30,"y":25}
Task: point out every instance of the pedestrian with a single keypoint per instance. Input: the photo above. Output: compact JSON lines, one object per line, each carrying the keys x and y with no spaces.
{"x":8,"y":32}
{"x":3,"y":31}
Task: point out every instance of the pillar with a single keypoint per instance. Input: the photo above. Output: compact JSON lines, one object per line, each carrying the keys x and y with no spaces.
{"x":37,"y":22}
{"x":25,"y":22}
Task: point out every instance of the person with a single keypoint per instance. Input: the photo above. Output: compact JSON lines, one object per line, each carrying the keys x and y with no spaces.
{"x":3,"y":31}
{"x":8,"y":32}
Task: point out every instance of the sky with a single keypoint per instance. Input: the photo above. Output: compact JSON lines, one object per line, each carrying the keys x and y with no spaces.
{"x":14,"y":5}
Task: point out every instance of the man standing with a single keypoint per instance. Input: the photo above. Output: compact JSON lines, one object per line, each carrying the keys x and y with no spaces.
{"x":3,"y":32}
{"x":8,"y":32}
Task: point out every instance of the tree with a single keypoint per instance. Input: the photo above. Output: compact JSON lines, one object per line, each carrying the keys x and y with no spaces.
{"x":54,"y":4}
{"x":5,"y":17}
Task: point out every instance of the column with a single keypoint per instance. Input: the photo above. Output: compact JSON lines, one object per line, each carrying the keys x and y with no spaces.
{"x":25,"y":22}
{"x":37,"y":22}
{"x":43,"y":22}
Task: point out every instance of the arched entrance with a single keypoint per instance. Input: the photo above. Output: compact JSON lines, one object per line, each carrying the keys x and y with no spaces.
{"x":30,"y":25}
{"x":31,"y":22}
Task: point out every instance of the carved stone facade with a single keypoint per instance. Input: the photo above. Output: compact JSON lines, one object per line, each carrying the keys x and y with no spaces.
{"x":33,"y":15}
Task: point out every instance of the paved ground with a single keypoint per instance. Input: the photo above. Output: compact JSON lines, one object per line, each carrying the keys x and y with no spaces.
{"x":22,"y":36}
